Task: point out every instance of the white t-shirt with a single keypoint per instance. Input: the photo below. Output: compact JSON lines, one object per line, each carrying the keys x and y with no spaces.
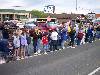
{"x":54,"y":35}
{"x":16,"y":41}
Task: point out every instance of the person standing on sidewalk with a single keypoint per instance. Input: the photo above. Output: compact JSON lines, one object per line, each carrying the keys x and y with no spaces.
{"x":24,"y":45}
{"x":79,"y":37}
{"x":64,"y":37}
{"x":16,"y":43}
{"x":54,"y":38}
{"x":45,"y":43}
{"x":39,"y":46}
{"x":72,"y":37}
{"x":35,"y":40}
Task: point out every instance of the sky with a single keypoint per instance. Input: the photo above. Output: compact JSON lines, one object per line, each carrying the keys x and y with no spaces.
{"x":62,"y":6}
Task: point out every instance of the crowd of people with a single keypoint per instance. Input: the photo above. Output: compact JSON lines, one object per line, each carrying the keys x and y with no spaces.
{"x":23,"y":43}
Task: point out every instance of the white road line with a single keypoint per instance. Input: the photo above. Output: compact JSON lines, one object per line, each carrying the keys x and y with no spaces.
{"x":96,"y":70}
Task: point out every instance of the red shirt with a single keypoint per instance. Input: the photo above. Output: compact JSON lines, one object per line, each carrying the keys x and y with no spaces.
{"x":44,"y":40}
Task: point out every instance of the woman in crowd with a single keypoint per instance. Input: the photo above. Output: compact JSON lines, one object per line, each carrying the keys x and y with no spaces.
{"x":72,"y":37}
{"x":16,"y":43}
{"x":23,"y":40}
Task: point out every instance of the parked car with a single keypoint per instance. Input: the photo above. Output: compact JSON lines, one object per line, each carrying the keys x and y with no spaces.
{"x":96,"y":21}
{"x":52,"y":25}
{"x":30,"y":25}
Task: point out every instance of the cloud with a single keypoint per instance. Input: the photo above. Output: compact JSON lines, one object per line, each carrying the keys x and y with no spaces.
{"x":61,"y":5}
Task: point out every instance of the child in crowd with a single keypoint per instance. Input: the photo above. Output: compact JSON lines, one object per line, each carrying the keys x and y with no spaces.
{"x":16,"y":43}
{"x":24,"y":45}
{"x":79,"y":37}
{"x":45,"y":43}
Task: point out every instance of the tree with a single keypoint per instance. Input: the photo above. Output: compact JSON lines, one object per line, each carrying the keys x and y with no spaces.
{"x":38,"y":14}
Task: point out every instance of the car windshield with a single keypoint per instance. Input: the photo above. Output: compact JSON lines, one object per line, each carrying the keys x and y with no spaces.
{"x":30,"y":23}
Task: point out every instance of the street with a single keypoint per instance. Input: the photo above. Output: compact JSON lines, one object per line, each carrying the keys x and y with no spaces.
{"x":82,"y":60}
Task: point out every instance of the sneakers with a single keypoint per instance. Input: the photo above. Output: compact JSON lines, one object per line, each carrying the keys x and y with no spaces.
{"x":63,"y":47}
{"x":56,"y":50}
{"x":18,"y":58}
{"x":2,"y":61}
{"x":36,"y":53}
{"x":59,"y":49}
{"x":51,"y":51}
{"x":22,"y":58}
{"x":72,"y":47}
{"x":39,"y":51}
{"x":69,"y":47}
{"x":45,"y":52}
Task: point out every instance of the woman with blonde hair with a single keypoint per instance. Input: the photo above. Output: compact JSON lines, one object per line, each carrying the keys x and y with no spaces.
{"x":16,"y":42}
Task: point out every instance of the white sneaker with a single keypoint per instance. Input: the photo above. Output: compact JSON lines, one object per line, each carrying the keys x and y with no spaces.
{"x":22,"y":58}
{"x":63,"y":47}
{"x":72,"y":47}
{"x":36,"y":53}
{"x":45,"y":53}
{"x":69,"y":47}
{"x":2,"y":61}
{"x":39,"y":51}
{"x":18,"y":58}
{"x":59,"y":49}
{"x":55,"y":50}
{"x":51,"y":51}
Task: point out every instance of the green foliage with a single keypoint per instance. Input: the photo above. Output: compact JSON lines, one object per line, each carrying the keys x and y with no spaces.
{"x":38,"y":14}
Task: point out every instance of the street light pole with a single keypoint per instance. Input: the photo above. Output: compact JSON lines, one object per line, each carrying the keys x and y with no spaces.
{"x":76,"y":5}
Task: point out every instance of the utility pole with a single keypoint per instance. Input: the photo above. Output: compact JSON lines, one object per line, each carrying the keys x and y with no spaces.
{"x":76,"y":11}
{"x":76,"y":5}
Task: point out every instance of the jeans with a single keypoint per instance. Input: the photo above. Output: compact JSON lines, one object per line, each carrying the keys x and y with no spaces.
{"x":90,"y":39}
{"x":98,"y":34}
{"x":39,"y":46}
{"x":35,"y":46}
{"x":78,"y":41}
{"x":53,"y":45}
{"x":72,"y":41}
{"x":63,"y":44}
{"x":30,"y":49}
{"x":86,"y":38}
{"x":45,"y":47}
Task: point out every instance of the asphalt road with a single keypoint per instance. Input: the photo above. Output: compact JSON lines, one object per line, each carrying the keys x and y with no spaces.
{"x":79,"y":61}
